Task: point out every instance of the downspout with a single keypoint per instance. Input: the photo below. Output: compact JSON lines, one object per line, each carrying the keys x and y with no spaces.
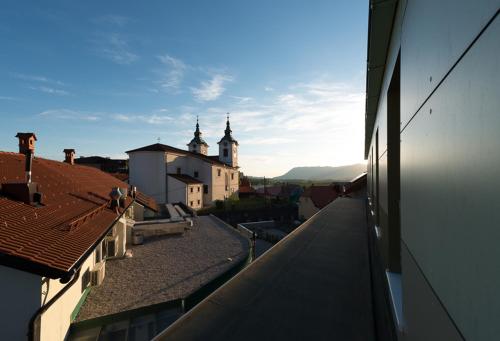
{"x":42,"y":309}
{"x":74,"y":277}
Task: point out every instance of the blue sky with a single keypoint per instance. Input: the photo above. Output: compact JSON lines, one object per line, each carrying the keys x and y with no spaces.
{"x":104,"y":77}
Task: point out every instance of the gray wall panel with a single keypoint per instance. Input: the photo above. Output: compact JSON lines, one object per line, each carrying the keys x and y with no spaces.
{"x":434,"y":35}
{"x":425,"y":318}
{"x":450,"y":203}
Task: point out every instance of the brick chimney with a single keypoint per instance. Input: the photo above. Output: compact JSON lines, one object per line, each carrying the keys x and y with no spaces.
{"x":26,"y":142}
{"x":25,"y":191}
{"x":27,"y":147}
{"x":69,"y":156}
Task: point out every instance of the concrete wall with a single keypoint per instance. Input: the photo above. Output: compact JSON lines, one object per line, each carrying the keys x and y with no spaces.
{"x":190,"y":165}
{"x":177,"y":190}
{"x":147,"y":171}
{"x":55,"y":322}
{"x":20,"y":299}
{"x":224,"y":185}
{"x":450,"y":80}
{"x":195,"y":196}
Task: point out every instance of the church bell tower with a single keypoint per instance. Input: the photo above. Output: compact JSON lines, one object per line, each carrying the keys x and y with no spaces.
{"x":228,"y":147}
{"x":197,"y":144}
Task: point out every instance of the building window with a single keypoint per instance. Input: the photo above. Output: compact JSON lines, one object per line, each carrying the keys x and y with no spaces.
{"x":232,"y":176}
{"x":178,"y":170}
{"x":218,"y":172}
{"x":191,"y":203}
{"x":196,"y":174}
{"x":226,"y":187}
{"x":198,"y":189}
{"x":205,"y":189}
{"x":225,"y":152}
{"x":198,"y":202}
{"x":191,"y":189}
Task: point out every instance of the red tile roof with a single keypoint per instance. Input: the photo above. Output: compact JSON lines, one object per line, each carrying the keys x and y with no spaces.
{"x":321,"y":195}
{"x":51,"y":239}
{"x":144,"y":200}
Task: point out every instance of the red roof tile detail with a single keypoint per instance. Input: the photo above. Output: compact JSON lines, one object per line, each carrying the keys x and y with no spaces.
{"x":73,"y":217}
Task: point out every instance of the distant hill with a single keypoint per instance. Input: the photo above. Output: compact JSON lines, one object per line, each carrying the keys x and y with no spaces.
{"x":342,"y":173}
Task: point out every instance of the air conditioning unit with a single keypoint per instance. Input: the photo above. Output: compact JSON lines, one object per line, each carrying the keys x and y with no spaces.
{"x":97,"y":274}
{"x":111,"y":246}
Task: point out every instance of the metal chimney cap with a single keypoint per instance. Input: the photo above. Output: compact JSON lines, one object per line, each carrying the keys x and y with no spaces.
{"x":115,"y":193}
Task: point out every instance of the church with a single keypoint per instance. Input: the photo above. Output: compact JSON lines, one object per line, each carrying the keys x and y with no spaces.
{"x":172,"y":175}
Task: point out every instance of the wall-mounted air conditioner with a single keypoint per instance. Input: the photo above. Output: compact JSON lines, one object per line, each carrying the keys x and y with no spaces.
{"x":97,"y":274}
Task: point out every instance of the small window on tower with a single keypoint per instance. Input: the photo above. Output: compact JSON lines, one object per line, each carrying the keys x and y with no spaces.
{"x":198,"y":202}
{"x":198,"y":189}
{"x":191,"y":203}
{"x":191,"y":189}
{"x":195,"y":174}
{"x":232,"y":176}
{"x":225,"y":152}
{"x":205,"y":189}
{"x":218,"y":172}
{"x":178,"y":170}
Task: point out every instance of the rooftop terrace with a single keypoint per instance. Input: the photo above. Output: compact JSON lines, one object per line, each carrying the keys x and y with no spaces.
{"x":166,"y":268}
{"x":316,"y":284}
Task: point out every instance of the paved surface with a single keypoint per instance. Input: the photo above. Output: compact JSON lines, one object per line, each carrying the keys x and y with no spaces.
{"x":166,"y":268}
{"x":314,"y":285}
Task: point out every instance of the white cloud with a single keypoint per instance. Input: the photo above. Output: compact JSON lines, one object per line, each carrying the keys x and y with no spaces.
{"x":50,"y":90}
{"x":266,"y":141}
{"x":175,"y":72}
{"x":115,"y":47}
{"x":153,"y":119}
{"x":268,"y":89}
{"x":212,"y":89}
{"x":37,"y":78}
{"x":67,"y":114}
{"x":8,"y":98}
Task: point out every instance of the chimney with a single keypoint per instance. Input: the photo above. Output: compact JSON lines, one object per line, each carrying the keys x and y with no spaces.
{"x":69,"y":156}
{"x":26,"y":192}
{"x":27,"y":147}
{"x":26,"y":142}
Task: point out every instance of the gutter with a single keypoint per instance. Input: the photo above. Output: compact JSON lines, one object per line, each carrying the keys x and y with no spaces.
{"x":87,"y":253}
{"x":69,"y":277}
{"x":42,"y":309}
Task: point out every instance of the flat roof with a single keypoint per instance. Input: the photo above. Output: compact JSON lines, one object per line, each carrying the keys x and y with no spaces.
{"x":166,"y":268}
{"x":314,"y":284}
{"x":186,"y":179}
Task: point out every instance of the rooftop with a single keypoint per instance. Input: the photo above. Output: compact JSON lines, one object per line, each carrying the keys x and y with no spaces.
{"x":185,"y":178}
{"x":166,"y":268}
{"x":321,"y":195}
{"x":159,"y":147}
{"x":50,"y":239}
{"x":314,"y":284}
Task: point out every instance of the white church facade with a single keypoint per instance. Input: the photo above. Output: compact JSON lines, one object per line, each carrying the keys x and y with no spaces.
{"x":172,"y":175}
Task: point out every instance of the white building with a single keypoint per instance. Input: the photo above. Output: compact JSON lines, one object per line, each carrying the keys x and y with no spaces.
{"x":58,"y":227}
{"x":171,"y":175}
